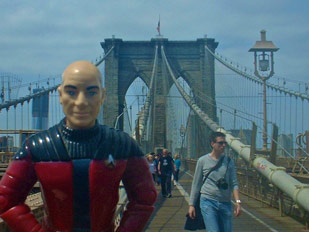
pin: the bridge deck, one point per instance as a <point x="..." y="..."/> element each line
<point x="170" y="213"/>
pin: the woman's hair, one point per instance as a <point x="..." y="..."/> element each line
<point x="149" y="155"/>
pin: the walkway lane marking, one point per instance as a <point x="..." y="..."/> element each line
<point x="187" y="198"/>
<point x="257" y="219"/>
<point x="183" y="192"/>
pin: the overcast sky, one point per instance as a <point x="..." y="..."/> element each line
<point x="43" y="37"/>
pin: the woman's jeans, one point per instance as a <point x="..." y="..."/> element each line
<point x="176" y="174"/>
<point x="217" y="215"/>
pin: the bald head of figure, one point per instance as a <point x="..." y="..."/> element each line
<point x="81" y="94"/>
<point x="82" y="69"/>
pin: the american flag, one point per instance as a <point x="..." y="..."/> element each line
<point x="158" y="27"/>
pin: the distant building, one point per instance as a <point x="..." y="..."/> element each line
<point x="285" y="144"/>
<point x="245" y="135"/>
<point x="40" y="107"/>
<point x="6" y="143"/>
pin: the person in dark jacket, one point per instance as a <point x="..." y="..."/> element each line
<point x="166" y="168"/>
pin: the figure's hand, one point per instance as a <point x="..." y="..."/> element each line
<point x="191" y="212"/>
<point x="159" y="172"/>
<point x="237" y="209"/>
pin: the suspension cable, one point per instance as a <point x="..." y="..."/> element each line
<point x="104" y="57"/>
<point x="21" y="100"/>
<point x="145" y="112"/>
<point x="210" y="101"/>
<point x="257" y="80"/>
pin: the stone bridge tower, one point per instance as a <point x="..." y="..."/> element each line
<point x="188" y="59"/>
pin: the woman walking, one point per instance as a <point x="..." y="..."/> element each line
<point x="177" y="163"/>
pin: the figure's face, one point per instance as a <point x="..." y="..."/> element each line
<point x="219" y="145"/>
<point x="164" y="152"/>
<point x="81" y="96"/>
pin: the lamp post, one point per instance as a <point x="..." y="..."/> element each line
<point x="182" y="131"/>
<point x="264" y="51"/>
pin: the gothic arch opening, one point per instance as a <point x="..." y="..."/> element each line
<point x="177" y="117"/>
<point x="134" y="99"/>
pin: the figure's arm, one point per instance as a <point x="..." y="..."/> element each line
<point x="21" y="219"/>
<point x="14" y="188"/>
<point x="141" y="193"/>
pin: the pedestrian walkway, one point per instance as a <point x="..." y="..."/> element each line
<point x="169" y="214"/>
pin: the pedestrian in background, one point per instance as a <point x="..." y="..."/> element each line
<point x="177" y="163"/>
<point x="166" y="169"/>
<point x="152" y="166"/>
<point x="156" y="161"/>
<point x="216" y="190"/>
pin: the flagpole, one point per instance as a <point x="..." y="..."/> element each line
<point x="158" y="27"/>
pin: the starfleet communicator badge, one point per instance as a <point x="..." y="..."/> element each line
<point x="110" y="162"/>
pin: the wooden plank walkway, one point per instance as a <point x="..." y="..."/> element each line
<point x="169" y="214"/>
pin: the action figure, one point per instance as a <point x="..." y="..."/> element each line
<point x="79" y="164"/>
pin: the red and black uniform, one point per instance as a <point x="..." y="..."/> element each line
<point x="79" y="172"/>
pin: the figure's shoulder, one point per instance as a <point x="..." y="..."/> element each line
<point x="118" y="143"/>
<point x="113" y="135"/>
<point x="46" y="145"/>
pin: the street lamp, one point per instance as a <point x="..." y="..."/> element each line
<point x="182" y="131"/>
<point x="264" y="69"/>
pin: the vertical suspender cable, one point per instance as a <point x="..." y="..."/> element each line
<point x="15" y="126"/>
<point x="52" y="112"/>
<point x="59" y="116"/>
<point x="22" y="117"/>
<point x="28" y="115"/>
<point x="296" y="118"/>
<point x="7" y="125"/>
<point x="290" y="115"/>
<point x="302" y="115"/>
